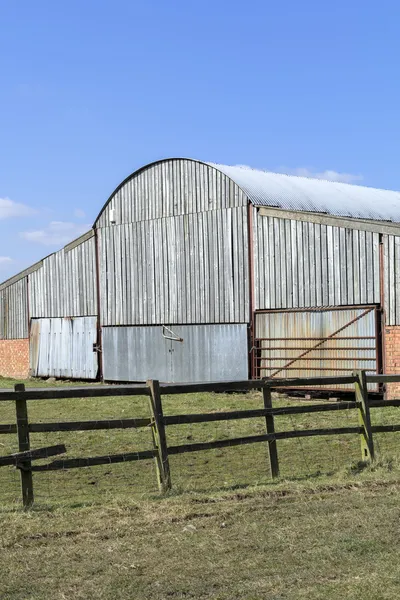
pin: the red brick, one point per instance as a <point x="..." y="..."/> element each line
<point x="14" y="358"/>
<point x="392" y="359"/>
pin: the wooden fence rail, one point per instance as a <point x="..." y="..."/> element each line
<point x="157" y="422"/>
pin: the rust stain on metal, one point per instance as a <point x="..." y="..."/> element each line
<point x="320" y="341"/>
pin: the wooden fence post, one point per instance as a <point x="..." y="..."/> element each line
<point x="364" y="417"/>
<point x="159" y="437"/>
<point x="21" y="410"/>
<point x="269" y="421"/>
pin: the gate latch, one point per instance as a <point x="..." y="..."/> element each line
<point x="172" y="336"/>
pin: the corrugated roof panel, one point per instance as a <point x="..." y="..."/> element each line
<point x="291" y="192"/>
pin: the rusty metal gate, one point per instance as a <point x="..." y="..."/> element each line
<point x="316" y="342"/>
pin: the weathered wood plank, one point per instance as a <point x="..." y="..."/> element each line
<point x="191" y="418"/>
<point x="383" y="403"/>
<point x="270" y="426"/>
<point x="256" y="412"/>
<point x="385" y="428"/>
<point x="364" y="418"/>
<point x="21" y="410"/>
<point x="223" y="386"/>
<point x="311" y="381"/>
<point x="19" y="458"/>
<point x="8" y="428"/>
<point x="96" y="391"/>
<point x="159" y="437"/>
<point x="89" y="425"/>
<point x="143" y="390"/>
<point x="281" y="435"/>
<point x="79" y="425"/>
<point x="74" y="463"/>
<point x="383" y="378"/>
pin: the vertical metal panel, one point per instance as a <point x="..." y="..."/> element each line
<point x="63" y="347"/>
<point x="314" y="343"/>
<point x="391" y="278"/>
<point x="207" y="353"/>
<point x="135" y="354"/>
<point x="65" y="285"/>
<point x="171" y="188"/>
<point x="14" y="311"/>
<point x="299" y="264"/>
<point x="186" y="269"/>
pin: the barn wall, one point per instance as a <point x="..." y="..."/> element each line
<point x="161" y="266"/>
<point x="14" y="311"/>
<point x="391" y="278"/>
<point x="170" y="188"/>
<point x="185" y="269"/>
<point x="65" y="285"/>
<point x="302" y="264"/>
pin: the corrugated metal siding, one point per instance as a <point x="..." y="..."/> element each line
<point x="64" y="347"/>
<point x="207" y="353"/>
<point x="184" y="269"/>
<point x="171" y="187"/>
<point x="291" y="192"/>
<point x="299" y="264"/>
<point x="292" y="342"/>
<point x="14" y="311"/>
<point x="391" y="279"/>
<point x="65" y="286"/>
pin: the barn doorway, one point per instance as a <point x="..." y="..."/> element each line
<point x="175" y="353"/>
<point x="316" y="342"/>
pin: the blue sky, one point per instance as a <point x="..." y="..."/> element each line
<point x="91" y="90"/>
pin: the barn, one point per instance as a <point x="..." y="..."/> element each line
<point x="196" y="271"/>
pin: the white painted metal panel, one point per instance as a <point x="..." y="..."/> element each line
<point x="63" y="347"/>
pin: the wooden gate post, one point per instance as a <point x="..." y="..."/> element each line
<point x="269" y="421"/>
<point x="159" y="437"/>
<point x="364" y="417"/>
<point x="21" y="410"/>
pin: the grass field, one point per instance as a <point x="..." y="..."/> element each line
<point x="326" y="529"/>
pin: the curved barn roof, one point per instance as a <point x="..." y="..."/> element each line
<point x="294" y="193"/>
<point x="291" y="192"/>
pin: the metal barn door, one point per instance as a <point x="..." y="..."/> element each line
<point x="315" y="343"/>
<point x="175" y="353"/>
<point x="64" y="347"/>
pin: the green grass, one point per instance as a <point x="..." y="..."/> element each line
<point x="328" y="528"/>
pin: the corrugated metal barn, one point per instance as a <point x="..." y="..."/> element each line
<point x="196" y="271"/>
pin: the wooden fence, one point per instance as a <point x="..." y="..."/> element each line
<point x="157" y="421"/>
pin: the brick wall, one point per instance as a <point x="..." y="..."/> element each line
<point x="14" y="358"/>
<point x="392" y="358"/>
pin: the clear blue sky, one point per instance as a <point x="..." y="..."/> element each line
<point x="91" y="90"/>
